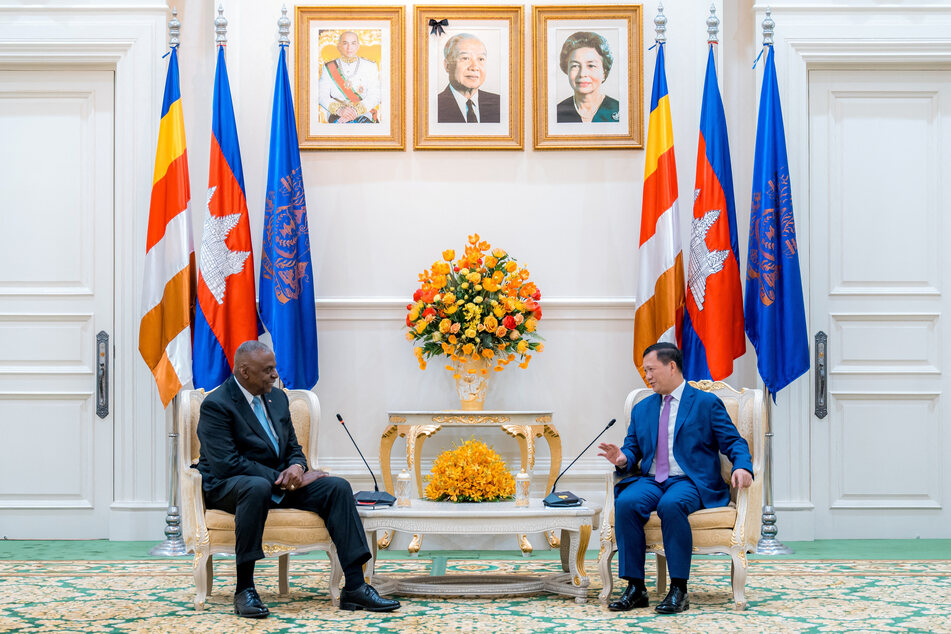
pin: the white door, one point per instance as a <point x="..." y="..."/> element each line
<point x="880" y="211"/>
<point x="56" y="294"/>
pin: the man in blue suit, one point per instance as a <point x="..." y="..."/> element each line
<point x="670" y="463"/>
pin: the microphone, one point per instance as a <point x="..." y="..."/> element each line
<point x="368" y="498"/>
<point x="567" y="498"/>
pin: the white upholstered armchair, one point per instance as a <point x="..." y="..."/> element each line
<point x="731" y="530"/>
<point x="208" y="532"/>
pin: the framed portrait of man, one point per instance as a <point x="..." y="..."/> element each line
<point x="349" y="72"/>
<point x="468" y="82"/>
<point x="587" y="71"/>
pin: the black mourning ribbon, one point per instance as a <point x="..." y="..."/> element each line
<point x="438" y="26"/>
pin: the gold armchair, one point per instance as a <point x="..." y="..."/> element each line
<point x="208" y="532"/>
<point x="732" y="530"/>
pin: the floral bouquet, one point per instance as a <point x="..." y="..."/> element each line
<point x="481" y="307"/>
<point x="472" y="472"/>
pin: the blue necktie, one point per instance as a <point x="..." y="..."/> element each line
<point x="258" y="408"/>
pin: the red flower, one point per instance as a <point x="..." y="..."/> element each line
<point x="537" y="296"/>
<point x="417" y="294"/>
<point x="409" y="322"/>
<point x="409" y="307"/>
<point x="538" y="313"/>
<point x="429" y="311"/>
<point x="456" y="269"/>
<point x="509" y="322"/>
<point x="530" y="305"/>
<point x="428" y="296"/>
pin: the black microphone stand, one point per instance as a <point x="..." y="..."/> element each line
<point x="368" y="498"/>
<point x="567" y="498"/>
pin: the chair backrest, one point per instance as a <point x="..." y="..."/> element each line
<point x="305" y="416"/>
<point x="747" y="410"/>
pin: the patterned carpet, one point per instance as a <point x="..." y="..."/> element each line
<point x="784" y="596"/>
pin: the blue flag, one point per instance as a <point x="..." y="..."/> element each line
<point x="287" y="280"/>
<point x="774" y="310"/>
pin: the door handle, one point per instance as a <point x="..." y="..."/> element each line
<point x="102" y="374"/>
<point x="821" y="345"/>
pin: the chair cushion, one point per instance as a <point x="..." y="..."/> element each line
<point x="286" y="526"/>
<point x="704" y="519"/>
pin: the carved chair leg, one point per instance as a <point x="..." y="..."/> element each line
<point x="336" y="574"/>
<point x="283" y="566"/>
<point x="604" y="567"/>
<point x="661" y="574"/>
<point x="201" y="579"/>
<point x="209" y="573"/>
<point x="738" y="578"/>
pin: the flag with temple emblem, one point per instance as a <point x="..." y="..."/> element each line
<point x="226" y="316"/>
<point x="168" y="285"/>
<point x="287" y="278"/>
<point x="775" y="312"/>
<point x="660" y="284"/>
<point x="713" y="323"/>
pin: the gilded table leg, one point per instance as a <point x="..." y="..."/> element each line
<point x="579" y="545"/>
<point x="415" y="544"/>
<point x="524" y="545"/>
<point x="554" y="448"/>
<point x="553" y="540"/>
<point x="384" y="541"/>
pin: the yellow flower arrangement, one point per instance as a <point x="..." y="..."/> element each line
<point x="481" y="306"/>
<point x="472" y="472"/>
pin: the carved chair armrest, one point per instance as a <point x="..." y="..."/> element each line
<point x="192" y="508"/>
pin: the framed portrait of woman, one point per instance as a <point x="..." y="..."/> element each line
<point x="468" y="82"/>
<point x="349" y="78"/>
<point x="588" y="77"/>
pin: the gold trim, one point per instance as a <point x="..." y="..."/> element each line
<point x="525" y="545"/>
<point x="583" y="538"/>
<point x="471" y="419"/>
<point x="270" y="550"/>
<point x="635" y="136"/>
<point x="543" y="419"/>
<point x="553" y="540"/>
<point x="397" y="419"/>
<point x="415" y="544"/>
<point x="395" y="16"/>
<point x="384" y="541"/>
<point x="512" y="17"/>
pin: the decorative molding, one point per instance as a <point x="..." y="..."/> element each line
<point x="394" y="308"/>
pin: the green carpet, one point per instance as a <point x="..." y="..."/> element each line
<point x="100" y="586"/>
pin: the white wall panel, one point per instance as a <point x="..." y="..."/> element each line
<point x="884" y="343"/>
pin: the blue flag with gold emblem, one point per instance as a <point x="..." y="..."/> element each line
<point x="774" y="310"/>
<point x="287" y="278"/>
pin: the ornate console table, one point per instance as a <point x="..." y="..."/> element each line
<point x="487" y="518"/>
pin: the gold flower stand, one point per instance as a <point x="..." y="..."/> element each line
<point x="416" y="427"/>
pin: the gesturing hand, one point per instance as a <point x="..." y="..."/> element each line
<point x="613" y="454"/>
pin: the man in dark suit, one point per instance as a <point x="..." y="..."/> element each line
<point x="462" y="101"/>
<point x="251" y="462"/>
<point x="670" y="460"/>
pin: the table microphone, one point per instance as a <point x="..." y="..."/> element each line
<point x="567" y="498"/>
<point x="368" y="498"/>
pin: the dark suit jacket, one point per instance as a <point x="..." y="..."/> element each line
<point x="608" y="111"/>
<point x="702" y="431"/>
<point x="233" y="443"/>
<point x="447" y="110"/>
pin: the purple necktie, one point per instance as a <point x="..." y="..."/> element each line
<point x="661" y="458"/>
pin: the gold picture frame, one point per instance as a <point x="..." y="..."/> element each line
<point x="491" y="38"/>
<point x="334" y="95"/>
<point x="573" y="46"/>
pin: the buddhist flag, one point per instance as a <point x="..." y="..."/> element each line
<point x="287" y="277"/>
<point x="168" y="286"/>
<point x="226" y="315"/>
<point x="660" y="284"/>
<point x="713" y="324"/>
<point x="775" y="312"/>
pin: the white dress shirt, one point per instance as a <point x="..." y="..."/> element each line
<point x="248" y="395"/>
<point x="677" y="394"/>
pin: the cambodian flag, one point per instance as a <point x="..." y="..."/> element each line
<point x="713" y="323"/>
<point x="287" y="279"/>
<point x="227" y="315"/>
<point x="775" y="313"/>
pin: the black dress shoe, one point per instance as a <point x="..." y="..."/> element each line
<point x="632" y="598"/>
<point x="675" y="601"/>
<point x="248" y="604"/>
<point x="366" y="598"/>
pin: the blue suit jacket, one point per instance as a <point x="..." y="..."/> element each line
<point x="702" y="431"/>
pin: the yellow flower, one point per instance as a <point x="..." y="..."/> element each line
<point x="449" y="255"/>
<point x="491" y="323"/>
<point x="501" y="331"/>
<point x="490" y="285"/>
<point x="474" y="277"/>
<point x="421" y="326"/>
<point x="499" y="253"/>
<point x="530" y="324"/>
<point x="452" y="339"/>
<point x="478" y="300"/>
<point x="473" y="239"/>
<point x="451" y="309"/>
<point x="471" y="472"/>
<point x="468" y="348"/>
<point x="439" y="281"/>
<point x="510" y="266"/>
<point x="490" y="262"/>
<point x="487" y="353"/>
<point x="448" y="298"/>
<point x="498" y="276"/>
<point x="444" y="326"/>
<point x="521" y="347"/>
<point x="470" y="333"/>
<point x="409" y="336"/>
<point x="540" y="348"/>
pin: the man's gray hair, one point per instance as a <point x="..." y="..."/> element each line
<point x="452" y="46"/>
<point x="248" y="348"/>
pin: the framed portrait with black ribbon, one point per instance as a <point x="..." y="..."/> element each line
<point x="468" y="81"/>
<point x="349" y="78"/>
<point x="587" y="70"/>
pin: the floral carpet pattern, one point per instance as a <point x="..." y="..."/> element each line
<point x="784" y="596"/>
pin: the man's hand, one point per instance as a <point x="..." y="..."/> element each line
<point x="346" y="114"/>
<point x="312" y="475"/>
<point x="741" y="479"/>
<point x="613" y="454"/>
<point x="291" y="478"/>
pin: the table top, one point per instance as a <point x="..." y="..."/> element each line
<point x="427" y="509"/>
<point x="472" y="413"/>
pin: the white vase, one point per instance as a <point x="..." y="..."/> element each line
<point x="472" y="382"/>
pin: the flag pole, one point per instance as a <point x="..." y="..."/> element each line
<point x="768" y="544"/>
<point x="173" y="545"/>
